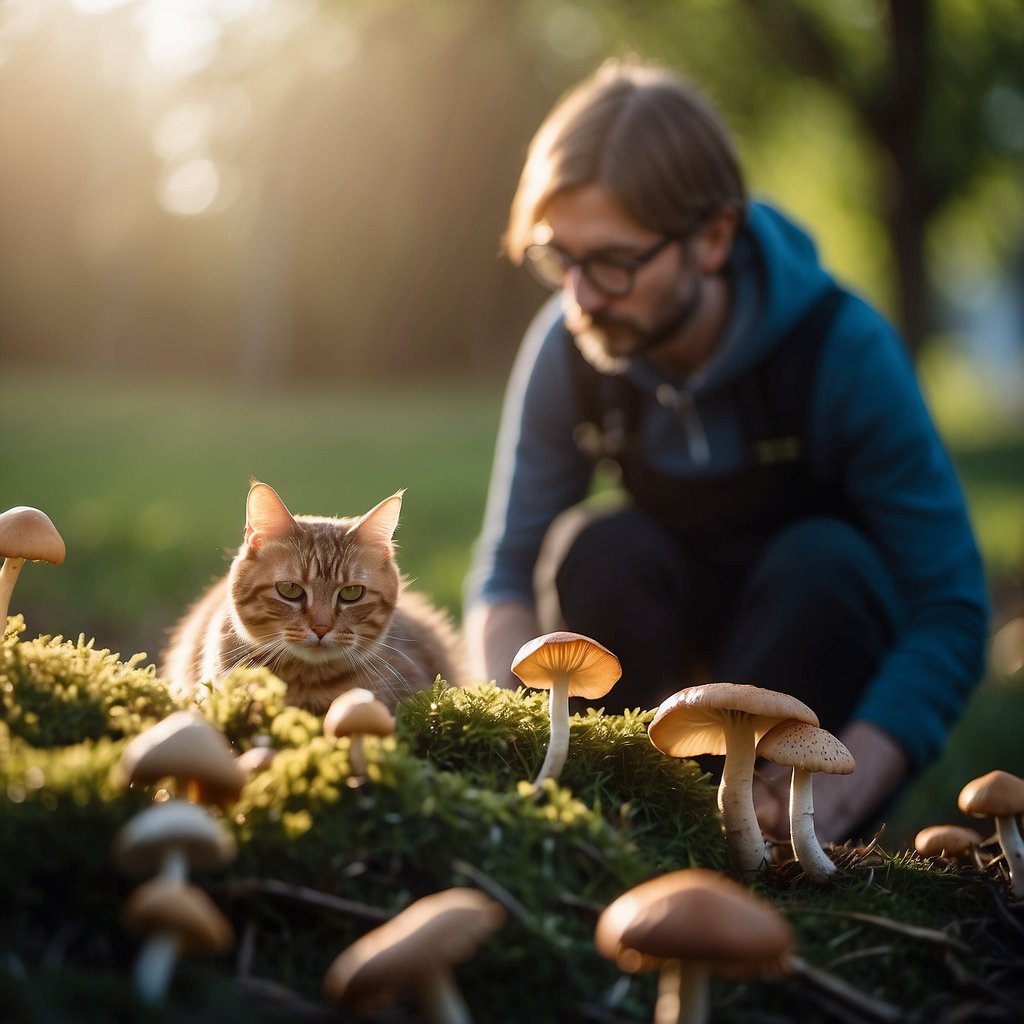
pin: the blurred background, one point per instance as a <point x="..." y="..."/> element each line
<point x="259" y="238"/>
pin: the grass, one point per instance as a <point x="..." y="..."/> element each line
<point x="147" y="479"/>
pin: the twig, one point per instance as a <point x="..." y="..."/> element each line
<point x="498" y="892"/>
<point x="911" y="931"/>
<point x="869" y="1006"/>
<point x="302" y="894"/>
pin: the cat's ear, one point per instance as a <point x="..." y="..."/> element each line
<point x="379" y="524"/>
<point x="266" y="516"/>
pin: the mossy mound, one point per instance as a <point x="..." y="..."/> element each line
<point x="324" y="857"/>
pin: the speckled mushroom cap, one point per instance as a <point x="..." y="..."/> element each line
<point x="694" y="915"/>
<point x="592" y="669"/>
<point x="358" y="711"/>
<point x="28" y="533"/>
<point x="185" y="746"/>
<point x="429" y="936"/>
<point x="141" y="844"/>
<point x="995" y="795"/>
<point x="160" y="906"/>
<point x="691" y="721"/>
<point x="948" y="840"/>
<point x="799" y="745"/>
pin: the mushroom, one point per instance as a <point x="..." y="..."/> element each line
<point x="689" y="925"/>
<point x="569" y="665"/>
<point x="179" y="920"/>
<point x="727" y="718"/>
<point x="357" y="713"/>
<point x="173" y="837"/>
<point x="187" y="747"/>
<point x="953" y="842"/>
<point x="256" y="759"/>
<point x="806" y="749"/>
<point x="415" y="951"/>
<point x="26" y="534"/>
<point x="1000" y="795"/>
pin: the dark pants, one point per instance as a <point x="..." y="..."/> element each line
<point x="812" y="615"/>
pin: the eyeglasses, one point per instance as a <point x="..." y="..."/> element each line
<point x="612" y="275"/>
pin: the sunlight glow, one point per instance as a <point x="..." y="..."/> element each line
<point x="189" y="188"/>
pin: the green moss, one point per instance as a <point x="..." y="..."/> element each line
<point x="447" y="801"/>
<point x="54" y="692"/>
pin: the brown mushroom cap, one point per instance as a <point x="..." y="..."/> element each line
<point x="946" y="840"/>
<point x="799" y="745"/>
<point x="28" y="533"/>
<point x="160" y="906"/>
<point x="427" y="937"/>
<point x="690" y="722"/>
<point x="185" y="746"/>
<point x="358" y="712"/>
<point x="694" y="915"/>
<point x="142" y="843"/>
<point x="592" y="669"/>
<point x="995" y="795"/>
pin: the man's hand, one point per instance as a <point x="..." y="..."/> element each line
<point x="494" y="633"/>
<point x="841" y="802"/>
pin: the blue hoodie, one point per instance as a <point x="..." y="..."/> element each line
<point x="866" y="417"/>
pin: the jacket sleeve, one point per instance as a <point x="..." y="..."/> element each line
<point x="870" y="425"/>
<point x="537" y="471"/>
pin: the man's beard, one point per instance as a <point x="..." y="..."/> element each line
<point x="608" y="343"/>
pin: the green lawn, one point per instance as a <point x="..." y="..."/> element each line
<point x="147" y="481"/>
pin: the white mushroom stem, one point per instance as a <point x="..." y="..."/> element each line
<point x="682" y="994"/>
<point x="441" y="1001"/>
<point x="1012" y="842"/>
<point x="174" y="865"/>
<point x="810" y="856"/>
<point x="558" y="742"/>
<point x="743" y="840"/>
<point x="357" y="756"/>
<point x="154" y="966"/>
<point x="8" y="577"/>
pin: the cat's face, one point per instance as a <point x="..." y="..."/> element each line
<point x="313" y="588"/>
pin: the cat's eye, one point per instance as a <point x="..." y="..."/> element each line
<point x="289" y="590"/>
<point x="351" y="593"/>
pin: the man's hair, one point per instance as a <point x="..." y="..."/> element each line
<point x="648" y="136"/>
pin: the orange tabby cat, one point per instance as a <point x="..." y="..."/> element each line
<point x="320" y="602"/>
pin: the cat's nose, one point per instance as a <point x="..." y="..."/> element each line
<point x="321" y="631"/>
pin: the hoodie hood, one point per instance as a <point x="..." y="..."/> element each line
<point x="775" y="276"/>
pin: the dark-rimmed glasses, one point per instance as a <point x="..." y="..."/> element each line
<point x="612" y="275"/>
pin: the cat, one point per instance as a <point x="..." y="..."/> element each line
<point x="321" y="603"/>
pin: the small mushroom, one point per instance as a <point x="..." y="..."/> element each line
<point x="689" y="925"/>
<point x="357" y="713"/>
<point x="730" y="719"/>
<point x="953" y="842"/>
<point x="177" y="919"/>
<point x="256" y="759"/>
<point x="188" y="748"/>
<point x="806" y="749"/>
<point x="569" y="665"/>
<point x="26" y="535"/>
<point x="173" y="837"/>
<point x="415" y="952"/>
<point x="1000" y="795"/>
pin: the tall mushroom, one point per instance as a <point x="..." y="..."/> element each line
<point x="415" y="952"/>
<point x="806" y="749"/>
<point x="569" y="665"/>
<point x="357" y="713"/>
<point x="727" y="718"/>
<point x="177" y="919"/>
<point x="26" y="535"/>
<point x="689" y="925"/>
<point x="187" y="747"/>
<point x="1000" y="795"/>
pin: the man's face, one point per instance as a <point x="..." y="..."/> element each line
<point x="609" y="329"/>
